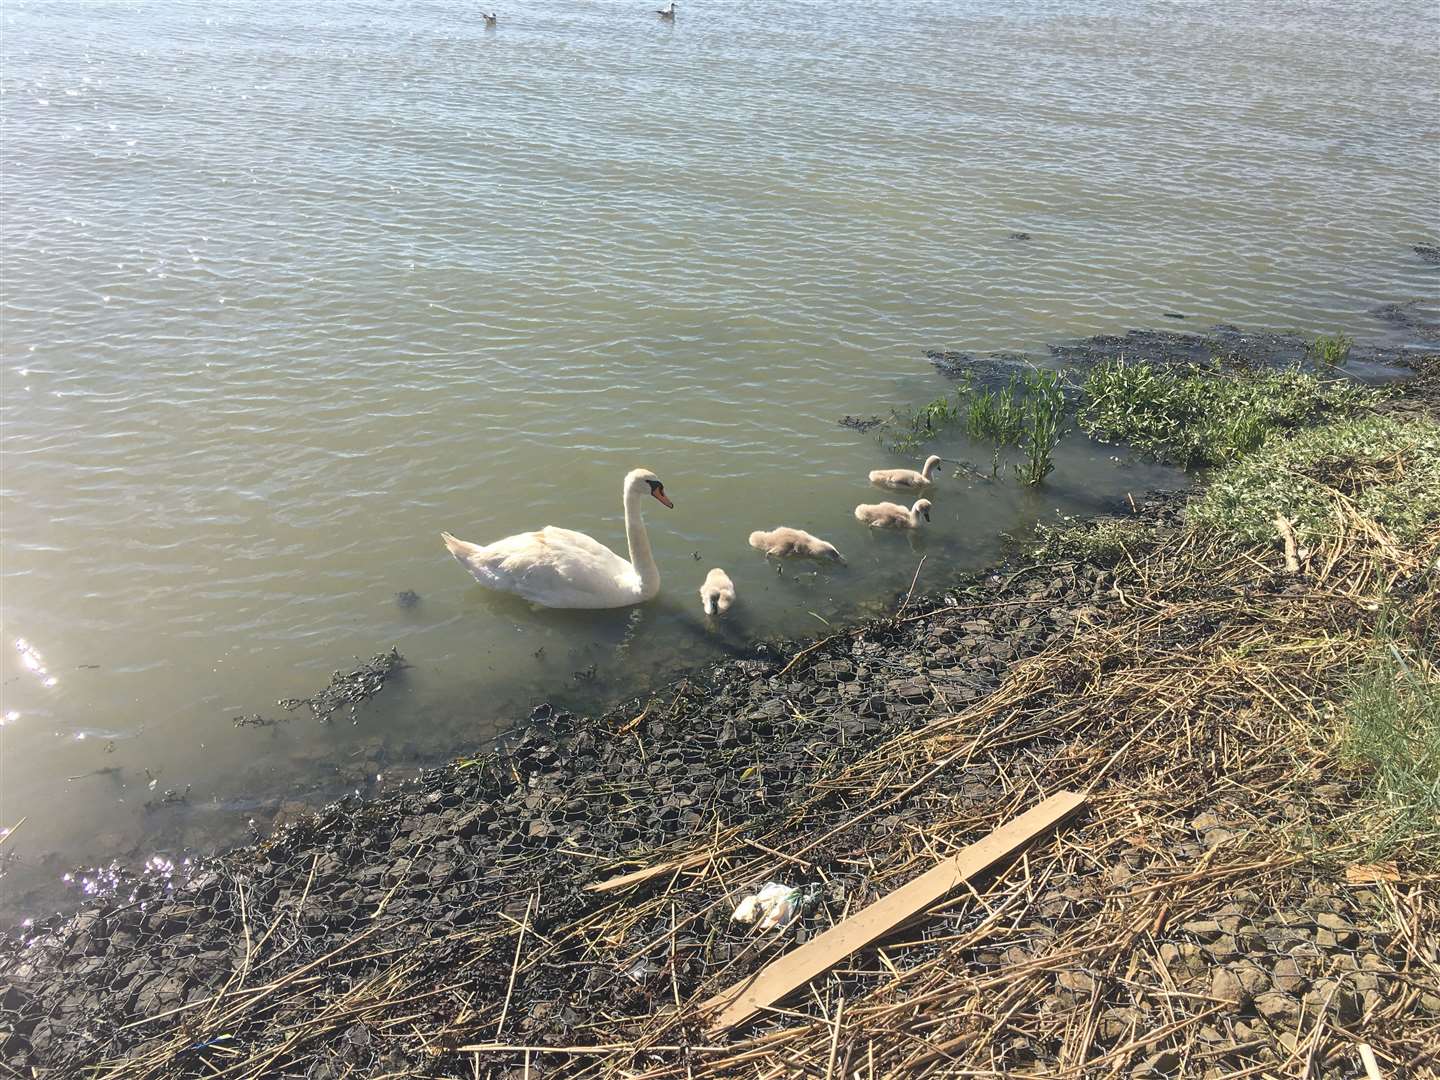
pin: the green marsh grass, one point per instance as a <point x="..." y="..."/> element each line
<point x="1331" y="349"/>
<point x="1385" y="469"/>
<point x="1388" y="738"/>
<point x="1194" y="418"/>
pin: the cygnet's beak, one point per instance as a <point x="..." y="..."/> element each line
<point x="659" y="493"/>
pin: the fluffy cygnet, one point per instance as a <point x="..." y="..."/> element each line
<point x="787" y="543"/>
<point x="888" y="515"/>
<point x="718" y="592"/>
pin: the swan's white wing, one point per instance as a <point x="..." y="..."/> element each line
<point x="556" y="568"/>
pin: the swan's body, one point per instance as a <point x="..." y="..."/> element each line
<point x="888" y="515"/>
<point x="718" y="592"/>
<point x="667" y="12"/>
<point x="560" y="568"/>
<point x="907" y="479"/>
<point x="786" y="543"/>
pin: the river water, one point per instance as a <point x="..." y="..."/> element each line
<point x="289" y="288"/>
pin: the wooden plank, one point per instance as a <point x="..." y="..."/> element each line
<point x="738" y="1003"/>
<point x="635" y="877"/>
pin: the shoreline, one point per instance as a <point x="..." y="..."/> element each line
<point x="458" y="906"/>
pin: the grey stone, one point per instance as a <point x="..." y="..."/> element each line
<point x="1278" y="1009"/>
<point x="1286" y="975"/>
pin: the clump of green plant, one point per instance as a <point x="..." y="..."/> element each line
<point x="1331" y="349"/>
<point x="1193" y="418"/>
<point x="995" y="416"/>
<point x="1379" y="468"/>
<point x="1043" y="410"/>
<point x="1105" y="542"/>
<point x="1015" y="415"/>
<point x="1389" y="731"/>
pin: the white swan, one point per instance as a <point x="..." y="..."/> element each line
<point x="489" y="20"/>
<point x="888" y="515"/>
<point x="558" y="568"/>
<point x="667" y="12"/>
<point x="906" y="479"/>
<point x="786" y="543"/>
<point x="718" y="592"/>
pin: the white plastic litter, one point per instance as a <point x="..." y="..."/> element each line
<point x="774" y="905"/>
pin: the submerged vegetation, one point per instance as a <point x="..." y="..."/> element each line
<point x="1026" y="413"/>
<point x="1192" y="417"/>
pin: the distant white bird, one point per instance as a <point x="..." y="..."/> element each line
<point x="787" y="543"/>
<point x="906" y="479"/>
<point x="888" y="515"/>
<point x="718" y="592"/>
<point x="558" y="568"/>
<point x="489" y="20"/>
<point x="666" y="12"/>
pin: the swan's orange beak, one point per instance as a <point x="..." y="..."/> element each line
<point x="659" y="493"/>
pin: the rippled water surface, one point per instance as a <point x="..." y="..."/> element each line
<point x="288" y="288"/>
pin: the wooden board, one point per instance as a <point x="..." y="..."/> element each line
<point x="738" y="1003"/>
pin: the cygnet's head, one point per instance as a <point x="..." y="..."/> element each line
<point x="921" y="507"/>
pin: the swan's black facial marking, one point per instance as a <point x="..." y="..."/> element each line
<point x="657" y="489"/>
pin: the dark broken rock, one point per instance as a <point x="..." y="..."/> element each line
<point x="1252" y="977"/>
<point x="1339" y="929"/>
<point x="1017" y="235"/>
<point x="1163" y="1063"/>
<point x="407" y="598"/>
<point x="1074" y="986"/>
<point x="1184" y="961"/>
<point x="1238" y="984"/>
<point x="1225" y="986"/>
<point x="1204" y="929"/>
<point x="1223" y="948"/>
<point x="1287" y="976"/>
<point x="1116" y="1024"/>
<point x="1429" y="252"/>
<point x="1280" y="1010"/>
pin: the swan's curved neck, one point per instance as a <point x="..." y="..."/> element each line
<point x="639" y="543"/>
<point x="930" y="466"/>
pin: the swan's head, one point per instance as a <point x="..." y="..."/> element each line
<point x="921" y="508"/>
<point x="643" y="480"/>
<point x="930" y="463"/>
